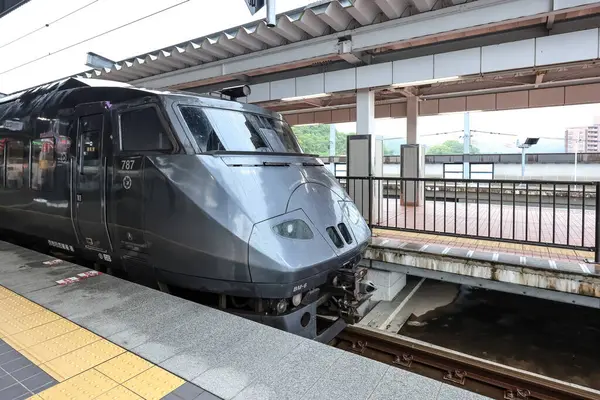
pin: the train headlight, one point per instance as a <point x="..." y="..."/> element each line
<point x="281" y="306"/>
<point x="297" y="299"/>
<point x="294" y="229"/>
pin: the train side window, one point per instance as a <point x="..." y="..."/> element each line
<point x="43" y="164"/>
<point x="142" y="130"/>
<point x="17" y="164"/>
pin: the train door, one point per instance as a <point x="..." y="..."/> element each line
<point x="90" y="178"/>
<point x="127" y="189"/>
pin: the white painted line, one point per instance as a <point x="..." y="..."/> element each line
<point x="523" y="260"/>
<point x="401" y="305"/>
<point x="79" y="277"/>
<point x="552" y="264"/>
<point x="446" y="250"/>
<point x="383" y="242"/>
<point x="585" y="268"/>
<point x="402" y="245"/>
<point x="470" y="253"/>
<point x="56" y="261"/>
<point x="424" y="247"/>
<point x="495" y="256"/>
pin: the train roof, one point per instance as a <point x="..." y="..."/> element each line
<point x="69" y="92"/>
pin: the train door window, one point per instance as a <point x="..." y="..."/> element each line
<point x="142" y="130"/>
<point x="42" y="164"/>
<point x="2" y="161"/>
<point x="17" y="163"/>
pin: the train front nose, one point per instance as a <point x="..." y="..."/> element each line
<point x="318" y="232"/>
<point x="337" y="220"/>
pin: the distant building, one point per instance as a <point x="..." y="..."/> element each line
<point x="583" y="139"/>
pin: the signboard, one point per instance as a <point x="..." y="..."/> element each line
<point x="255" y="5"/>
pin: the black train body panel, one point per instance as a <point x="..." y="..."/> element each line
<point x="205" y="194"/>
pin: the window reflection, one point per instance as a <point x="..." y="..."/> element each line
<point x="221" y="129"/>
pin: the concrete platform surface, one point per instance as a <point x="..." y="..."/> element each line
<point x="570" y="281"/>
<point x="527" y="250"/>
<point x="70" y="333"/>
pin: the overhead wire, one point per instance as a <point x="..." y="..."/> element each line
<point x="48" y="24"/>
<point x="94" y="37"/>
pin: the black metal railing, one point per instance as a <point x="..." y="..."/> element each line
<point x="555" y="213"/>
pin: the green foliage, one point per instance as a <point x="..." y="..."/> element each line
<point x="391" y="147"/>
<point x="450" y="147"/>
<point x="314" y="139"/>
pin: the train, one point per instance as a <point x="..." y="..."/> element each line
<point x="203" y="194"/>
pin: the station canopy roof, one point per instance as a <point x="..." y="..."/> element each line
<point x="321" y="18"/>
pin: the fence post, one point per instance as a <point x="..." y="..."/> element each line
<point x="371" y="204"/>
<point x="597" y="230"/>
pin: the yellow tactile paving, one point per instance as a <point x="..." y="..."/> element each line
<point x="4" y="293"/>
<point x="84" y="358"/>
<point x="12" y="307"/>
<point x="124" y="367"/>
<point x="154" y="383"/>
<point x="119" y="393"/>
<point x="87" y="385"/>
<point x="43" y="333"/>
<point x="17" y="325"/>
<point x="54" y="348"/>
<point x="51" y="372"/>
<point x="85" y="365"/>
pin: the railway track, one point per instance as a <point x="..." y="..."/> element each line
<point x="481" y="376"/>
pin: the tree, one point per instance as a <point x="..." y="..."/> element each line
<point x="391" y="147"/>
<point x="314" y="139"/>
<point x="450" y="147"/>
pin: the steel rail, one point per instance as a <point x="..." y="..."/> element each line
<point x="458" y="369"/>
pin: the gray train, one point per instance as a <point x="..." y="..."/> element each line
<point x="209" y="195"/>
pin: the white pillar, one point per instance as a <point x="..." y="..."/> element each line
<point x="388" y="284"/>
<point x="365" y="112"/>
<point x="361" y="150"/>
<point x="412" y="114"/>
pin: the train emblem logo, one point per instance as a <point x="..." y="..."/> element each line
<point x="127" y="182"/>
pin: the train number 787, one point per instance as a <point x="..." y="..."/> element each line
<point x="127" y="164"/>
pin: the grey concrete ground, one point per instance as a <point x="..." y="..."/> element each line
<point x="229" y="356"/>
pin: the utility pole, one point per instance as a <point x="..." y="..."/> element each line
<point x="467" y="147"/>
<point x="524" y="146"/>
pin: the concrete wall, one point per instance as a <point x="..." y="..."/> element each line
<point x="557" y="172"/>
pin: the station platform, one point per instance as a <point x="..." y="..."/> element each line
<point x="491" y="246"/>
<point x="72" y="333"/>
<point x="538" y="271"/>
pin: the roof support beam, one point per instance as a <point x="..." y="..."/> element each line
<point x="392" y="8"/>
<point x="539" y="78"/>
<point x="423" y="5"/>
<point x="352" y="57"/>
<point x="550" y="22"/>
<point x="435" y="24"/>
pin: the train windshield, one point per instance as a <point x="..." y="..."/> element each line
<point x="230" y="130"/>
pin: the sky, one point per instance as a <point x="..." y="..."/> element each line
<point x="25" y="38"/>
<point x="548" y="123"/>
<point x="46" y="40"/>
